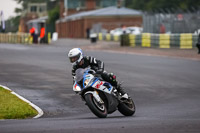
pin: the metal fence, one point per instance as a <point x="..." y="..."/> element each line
<point x="171" y="23"/>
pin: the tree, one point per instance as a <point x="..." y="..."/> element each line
<point x="24" y="3"/>
<point x="53" y="14"/>
<point x="12" y="24"/>
<point x="163" y="5"/>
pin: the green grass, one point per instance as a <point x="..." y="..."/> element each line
<point x="11" y="107"/>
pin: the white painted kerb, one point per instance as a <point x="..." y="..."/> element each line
<point x="40" y="112"/>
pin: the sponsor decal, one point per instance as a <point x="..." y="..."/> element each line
<point x="98" y="85"/>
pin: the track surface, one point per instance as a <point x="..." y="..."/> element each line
<point x="166" y="91"/>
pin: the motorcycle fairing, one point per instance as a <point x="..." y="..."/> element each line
<point x="90" y="81"/>
<point x="76" y="87"/>
<point x="103" y="86"/>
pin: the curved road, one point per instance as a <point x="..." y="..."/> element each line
<point x="166" y="91"/>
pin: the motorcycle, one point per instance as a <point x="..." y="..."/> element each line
<point x="100" y="96"/>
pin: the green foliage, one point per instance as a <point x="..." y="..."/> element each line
<point x="25" y="2"/>
<point x="163" y="5"/>
<point x="11" y="107"/>
<point x="18" y="10"/>
<point x="12" y="24"/>
<point x="53" y="14"/>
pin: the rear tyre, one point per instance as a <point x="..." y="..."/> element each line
<point x="99" y="110"/>
<point x="127" y="108"/>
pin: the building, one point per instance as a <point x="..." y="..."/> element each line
<point x="69" y="7"/>
<point x="108" y="18"/>
<point x="37" y="23"/>
<point x="33" y="11"/>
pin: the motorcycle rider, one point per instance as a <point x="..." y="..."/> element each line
<point x="79" y="61"/>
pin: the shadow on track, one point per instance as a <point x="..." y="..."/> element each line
<point x="109" y="117"/>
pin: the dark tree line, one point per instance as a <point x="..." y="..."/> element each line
<point x="164" y="5"/>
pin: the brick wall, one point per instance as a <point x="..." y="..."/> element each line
<point x="90" y="4"/>
<point x="62" y="8"/>
<point x="77" y="28"/>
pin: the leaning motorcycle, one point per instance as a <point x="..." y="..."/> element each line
<point x="100" y="96"/>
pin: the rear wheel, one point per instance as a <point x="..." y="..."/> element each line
<point x="98" y="109"/>
<point x="127" y="107"/>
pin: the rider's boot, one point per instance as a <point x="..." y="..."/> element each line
<point x="118" y="86"/>
<point x="121" y="90"/>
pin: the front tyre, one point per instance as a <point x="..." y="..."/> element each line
<point x="127" y="107"/>
<point x="99" y="110"/>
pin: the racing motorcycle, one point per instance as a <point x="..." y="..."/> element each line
<point x="100" y="96"/>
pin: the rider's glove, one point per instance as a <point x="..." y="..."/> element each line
<point x="99" y="71"/>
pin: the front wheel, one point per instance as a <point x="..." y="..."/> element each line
<point x="98" y="109"/>
<point x="127" y="107"/>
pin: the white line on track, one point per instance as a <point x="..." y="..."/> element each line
<point x="39" y="110"/>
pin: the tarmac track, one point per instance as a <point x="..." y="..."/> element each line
<point x="166" y="91"/>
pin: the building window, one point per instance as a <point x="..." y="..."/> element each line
<point x="42" y="9"/>
<point x="105" y="3"/>
<point x="33" y="8"/>
<point x="74" y="4"/>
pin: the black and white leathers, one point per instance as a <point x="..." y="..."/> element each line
<point x="95" y="64"/>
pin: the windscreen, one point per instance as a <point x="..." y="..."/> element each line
<point x="79" y="74"/>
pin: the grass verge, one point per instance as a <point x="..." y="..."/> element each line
<point x="11" y="107"/>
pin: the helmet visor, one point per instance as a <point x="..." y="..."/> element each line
<point x="74" y="58"/>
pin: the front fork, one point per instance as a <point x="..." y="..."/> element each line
<point x="96" y="96"/>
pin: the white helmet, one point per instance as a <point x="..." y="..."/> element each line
<point x="75" y="56"/>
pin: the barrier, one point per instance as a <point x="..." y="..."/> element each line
<point x="100" y="36"/>
<point x="22" y="38"/>
<point x="175" y="40"/>
<point x="116" y="38"/>
<point x="146" y="40"/>
<point x="49" y="37"/>
<point x="164" y="41"/>
<point x="183" y="41"/>
<point x="132" y="40"/>
<point x="125" y="41"/>
<point x="186" y="41"/>
<point x="108" y="37"/>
